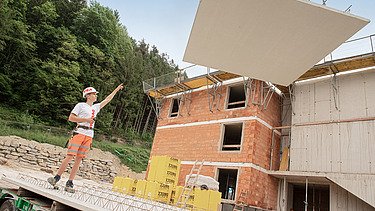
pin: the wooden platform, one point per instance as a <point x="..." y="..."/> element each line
<point x="327" y="68"/>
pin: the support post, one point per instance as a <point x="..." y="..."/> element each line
<point x="272" y="146"/>
<point x="284" y="195"/>
<point x="307" y="186"/>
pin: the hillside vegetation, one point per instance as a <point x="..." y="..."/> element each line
<point x="51" y="49"/>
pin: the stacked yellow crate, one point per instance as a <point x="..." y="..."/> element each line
<point x="215" y="200"/>
<point x="158" y="192"/>
<point x="164" y="192"/>
<point x="151" y="190"/>
<point x="162" y="176"/>
<point x="199" y="199"/>
<point x="117" y="184"/>
<point x="140" y="188"/>
<point x="176" y="192"/>
<point x="124" y="185"/>
<point x="164" y="169"/>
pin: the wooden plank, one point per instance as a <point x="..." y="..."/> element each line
<point x="284" y="159"/>
<point x="198" y="83"/>
<point x="226" y="76"/>
<point x="343" y="65"/>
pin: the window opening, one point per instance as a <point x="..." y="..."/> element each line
<point x="237" y="98"/>
<point x="227" y="183"/>
<point x="175" y="108"/>
<point x="232" y="137"/>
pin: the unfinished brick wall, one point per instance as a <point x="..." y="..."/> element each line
<point x="198" y="142"/>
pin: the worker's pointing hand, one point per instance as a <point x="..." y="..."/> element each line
<point x="119" y="87"/>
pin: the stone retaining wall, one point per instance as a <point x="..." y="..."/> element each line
<point x="45" y="156"/>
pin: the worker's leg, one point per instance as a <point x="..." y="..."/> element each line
<point x="73" y="147"/>
<point x="77" y="162"/>
<point x="64" y="164"/>
<point x="81" y="153"/>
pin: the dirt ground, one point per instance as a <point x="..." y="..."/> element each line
<point x="9" y="168"/>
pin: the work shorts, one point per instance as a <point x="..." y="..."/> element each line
<point x="79" y="145"/>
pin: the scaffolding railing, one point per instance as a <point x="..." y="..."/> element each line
<point x="177" y="77"/>
<point x="351" y="48"/>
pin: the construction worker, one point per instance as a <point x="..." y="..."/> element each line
<point x="84" y="115"/>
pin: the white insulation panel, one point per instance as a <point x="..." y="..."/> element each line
<point x="269" y="40"/>
<point x="342" y="200"/>
<point x="344" y="97"/>
<point x="361" y="186"/>
<point x="340" y="148"/>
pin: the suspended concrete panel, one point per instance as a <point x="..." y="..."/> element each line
<point x="269" y="40"/>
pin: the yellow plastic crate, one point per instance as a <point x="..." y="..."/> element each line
<point x="151" y="191"/>
<point x="140" y="188"/>
<point x="128" y="186"/>
<point x="176" y="194"/>
<point x="164" y="169"/>
<point x="123" y="185"/>
<point x="164" y="192"/>
<point x="215" y="200"/>
<point x="117" y="184"/>
<point x="201" y="199"/>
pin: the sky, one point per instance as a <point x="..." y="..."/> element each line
<point x="167" y="23"/>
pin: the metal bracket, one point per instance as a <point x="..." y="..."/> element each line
<point x="335" y="90"/>
<point x="213" y="93"/>
<point x="156" y="104"/>
<point x="292" y="97"/>
<point x="186" y="100"/>
<point x="266" y="98"/>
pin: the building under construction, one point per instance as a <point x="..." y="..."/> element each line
<point x="304" y="145"/>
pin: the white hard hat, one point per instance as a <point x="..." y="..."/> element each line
<point x="88" y="90"/>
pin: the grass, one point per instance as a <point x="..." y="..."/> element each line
<point x="12" y="122"/>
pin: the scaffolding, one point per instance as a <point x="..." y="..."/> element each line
<point x="353" y="54"/>
<point x="179" y="84"/>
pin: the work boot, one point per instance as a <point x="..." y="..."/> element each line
<point x="69" y="186"/>
<point x="53" y="180"/>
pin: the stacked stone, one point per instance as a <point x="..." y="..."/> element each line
<point x="35" y="155"/>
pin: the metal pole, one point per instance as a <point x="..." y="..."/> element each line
<point x="284" y="196"/>
<point x="372" y="45"/>
<point x="272" y="146"/>
<point x="307" y="185"/>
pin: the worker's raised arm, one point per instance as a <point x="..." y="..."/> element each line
<point x="110" y="97"/>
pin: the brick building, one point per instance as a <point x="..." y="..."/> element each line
<point x="234" y="140"/>
<point x="312" y="142"/>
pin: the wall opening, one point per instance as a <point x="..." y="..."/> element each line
<point x="175" y="107"/>
<point x="232" y="137"/>
<point x="317" y="197"/>
<point x="237" y="97"/>
<point x="227" y="183"/>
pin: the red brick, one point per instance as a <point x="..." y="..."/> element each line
<point x="203" y="142"/>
